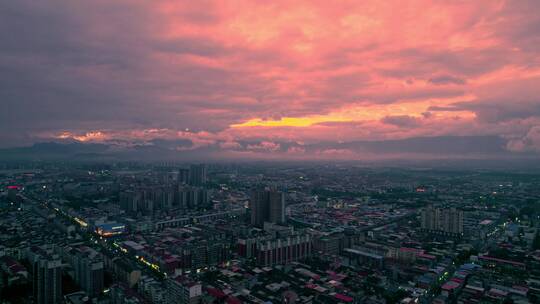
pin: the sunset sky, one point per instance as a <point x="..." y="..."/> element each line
<point x="252" y="78"/>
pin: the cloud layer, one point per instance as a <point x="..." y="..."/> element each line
<point x="251" y="76"/>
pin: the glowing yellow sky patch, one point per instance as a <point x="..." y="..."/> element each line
<point x="290" y="121"/>
<point x="359" y="114"/>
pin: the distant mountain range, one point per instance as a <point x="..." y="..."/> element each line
<point x="443" y="145"/>
<point x="460" y="147"/>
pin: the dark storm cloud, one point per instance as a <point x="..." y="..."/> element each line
<point x="500" y="111"/>
<point x="79" y="66"/>
<point x="403" y="121"/>
<point x="447" y="79"/>
<point x="47" y="59"/>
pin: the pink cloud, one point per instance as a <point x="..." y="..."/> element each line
<point x="530" y="142"/>
<point x="284" y="71"/>
<point x="264" y="146"/>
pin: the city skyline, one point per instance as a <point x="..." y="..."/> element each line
<point x="169" y="233"/>
<point x="250" y="80"/>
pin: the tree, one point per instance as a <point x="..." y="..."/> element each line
<point x="536" y="241"/>
<point x="394" y="297"/>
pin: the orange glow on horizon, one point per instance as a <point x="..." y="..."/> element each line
<point x="88" y="136"/>
<point x="359" y="114"/>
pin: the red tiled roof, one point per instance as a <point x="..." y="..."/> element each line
<point x="216" y="293"/>
<point x="488" y="258"/>
<point x="233" y="300"/>
<point x="343" y="297"/>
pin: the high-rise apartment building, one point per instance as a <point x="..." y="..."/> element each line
<point x="89" y="272"/>
<point x="267" y="206"/>
<point x="13" y="191"/>
<point x="191" y="198"/>
<point x="447" y="220"/>
<point x="452" y="221"/>
<point x="271" y="251"/>
<point x="149" y="199"/>
<point x="183" y="176"/>
<point x="46" y="275"/>
<point x="277" y="207"/>
<point x="182" y="290"/>
<point x="197" y="175"/>
<point x="430" y="218"/>
<point x="131" y="201"/>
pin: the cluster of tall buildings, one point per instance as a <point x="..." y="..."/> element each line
<point x="196" y="175"/>
<point x="182" y="189"/>
<point x="88" y="270"/>
<point x="446" y="220"/>
<point x="46" y="275"/>
<point x="150" y="199"/>
<point x="48" y="262"/>
<point x="277" y="245"/>
<point x="146" y="200"/>
<point x="274" y="251"/>
<point x="267" y="205"/>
